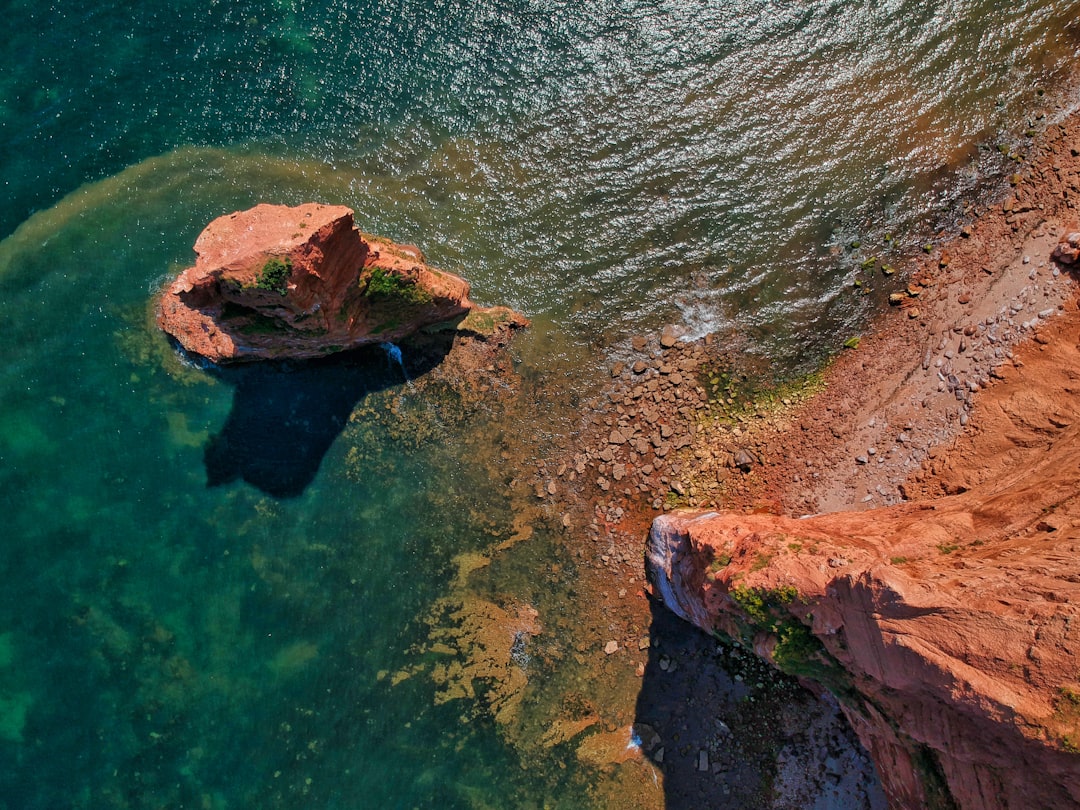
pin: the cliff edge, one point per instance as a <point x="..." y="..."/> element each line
<point x="301" y="282"/>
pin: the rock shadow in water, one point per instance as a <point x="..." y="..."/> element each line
<point x="286" y="415"/>
<point x="761" y="742"/>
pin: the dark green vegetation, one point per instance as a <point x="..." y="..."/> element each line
<point x="387" y="288"/>
<point x="262" y="325"/>
<point x="763" y="607"/>
<point x="798" y="652"/>
<point x="719" y="562"/>
<point x="928" y="767"/>
<point x="274" y="275"/>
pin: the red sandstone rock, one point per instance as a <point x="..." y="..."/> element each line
<point x="335" y="288"/>
<point x="1068" y="250"/>
<point x="964" y="666"/>
<point x="949" y="626"/>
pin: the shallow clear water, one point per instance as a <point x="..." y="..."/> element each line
<point x="605" y="167"/>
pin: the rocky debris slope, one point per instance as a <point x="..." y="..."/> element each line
<point x="301" y="282"/>
<point x="896" y="403"/>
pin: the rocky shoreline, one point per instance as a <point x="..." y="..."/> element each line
<point x="688" y="424"/>
<point x="885" y="424"/>
<point x="683" y="424"/>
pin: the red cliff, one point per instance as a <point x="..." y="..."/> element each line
<point x="300" y="282"/>
<point x="948" y="628"/>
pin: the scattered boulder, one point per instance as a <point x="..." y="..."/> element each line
<point x="743" y="459"/>
<point x="1068" y="249"/>
<point x="669" y="336"/>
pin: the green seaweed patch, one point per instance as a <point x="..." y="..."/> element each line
<point x="734" y="396"/>
<point x="274" y="275"/>
<point x="482" y="323"/>
<point x="485" y="322"/>
<point x="673" y="500"/>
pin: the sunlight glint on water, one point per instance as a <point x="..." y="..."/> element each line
<point x="605" y="167"/>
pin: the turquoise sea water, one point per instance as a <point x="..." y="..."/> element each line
<point x="171" y="637"/>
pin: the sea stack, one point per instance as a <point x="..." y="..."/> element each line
<point x="280" y="282"/>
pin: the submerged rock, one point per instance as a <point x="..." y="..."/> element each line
<point x="302" y="282"/>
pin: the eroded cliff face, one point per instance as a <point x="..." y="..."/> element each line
<point x="300" y="282"/>
<point x="949" y="627"/>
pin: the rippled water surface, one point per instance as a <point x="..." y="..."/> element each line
<point x="606" y="167"/>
